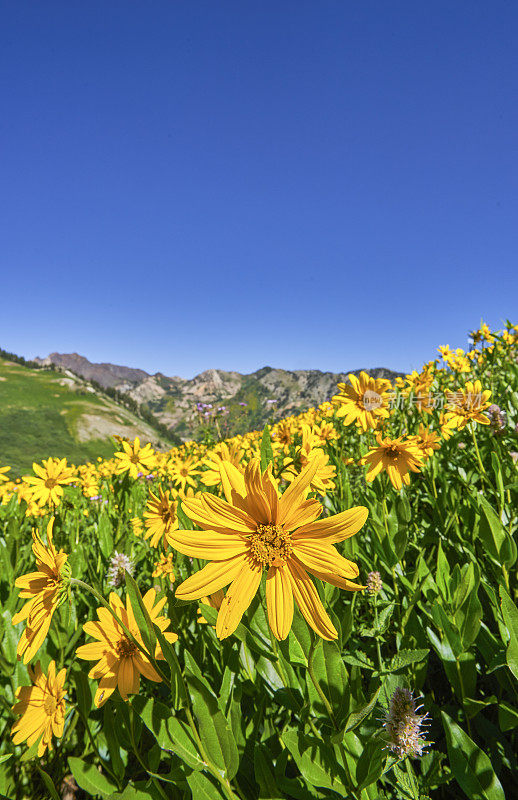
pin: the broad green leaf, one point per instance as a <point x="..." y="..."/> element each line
<point x="356" y="717"/>
<point x="370" y="764"/>
<point x="268" y="789"/>
<point x="384" y="617"/>
<point x="105" y="534"/>
<point x="49" y="783"/>
<point x="215" y="732"/>
<point x="507" y="716"/>
<point x="204" y="788"/>
<point x="296" y="647"/>
<point x="141" y="614"/>
<point x="510" y="615"/>
<point x="491" y="530"/>
<point x="405" y="657"/>
<point x="327" y="667"/>
<point x="110" y="734"/>
<point x="316" y="761"/>
<point x="90" y="779"/>
<point x="170" y="732"/>
<point x="242" y="633"/>
<point x="471" y="767"/>
<point x="83" y="692"/>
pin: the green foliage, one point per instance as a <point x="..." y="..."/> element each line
<point x="251" y="718"/>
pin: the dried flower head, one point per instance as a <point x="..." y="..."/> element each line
<point x="374" y="583"/>
<point x="403" y="725"/>
<point x="119" y="563"/>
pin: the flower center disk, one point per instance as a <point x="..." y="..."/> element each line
<point x="270" y="545"/>
<point x="125" y="648"/>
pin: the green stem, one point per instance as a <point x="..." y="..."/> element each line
<point x="378" y="648"/>
<point x="477" y="451"/>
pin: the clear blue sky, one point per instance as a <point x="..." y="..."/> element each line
<point x="189" y="184"/>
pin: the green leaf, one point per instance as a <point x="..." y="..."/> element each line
<point x="268" y="789"/>
<point x="105" y="535"/>
<point x="316" y="761"/>
<point x="110" y="734"/>
<point x="83" y="692"/>
<point x="178" y="692"/>
<point x="203" y="787"/>
<point x="384" y="617"/>
<point x="49" y="783"/>
<point x="507" y="716"/>
<point x="170" y="732"/>
<point x="510" y="615"/>
<point x="471" y="767"/>
<point x="491" y="530"/>
<point x="242" y="633"/>
<point x="141" y="614"/>
<point x="214" y="730"/>
<point x="370" y="764"/>
<point x="266" y="450"/>
<point x="354" y="719"/>
<point x="90" y="779"/>
<point x="327" y="667"/>
<point x="405" y="657"/>
<point x="296" y="647"/>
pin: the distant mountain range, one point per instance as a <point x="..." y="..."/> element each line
<point x="229" y="401"/>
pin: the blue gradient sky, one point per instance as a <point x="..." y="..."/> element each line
<point x="325" y="185"/>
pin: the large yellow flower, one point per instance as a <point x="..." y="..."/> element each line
<point x="160" y="517"/>
<point x="135" y="458"/>
<point x="42" y="707"/>
<point x="365" y="401"/>
<point x="121" y="663"/>
<point x="45" y="589"/>
<point x="256" y="529"/>
<point x="395" y="456"/>
<point x="50" y="478"/>
<point x="467" y="405"/>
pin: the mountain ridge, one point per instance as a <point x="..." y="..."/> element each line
<point x="229" y="400"/>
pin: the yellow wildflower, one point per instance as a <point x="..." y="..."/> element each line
<point x="42" y="708"/>
<point x="47" y="485"/>
<point x="45" y="590"/>
<point x="395" y="456"/>
<point x="256" y="529"/>
<point x="120" y="661"/>
<point x="365" y="401"/>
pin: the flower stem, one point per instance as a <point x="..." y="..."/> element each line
<point x="477" y="451"/>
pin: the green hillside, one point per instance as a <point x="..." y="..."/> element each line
<point x="45" y="413"/>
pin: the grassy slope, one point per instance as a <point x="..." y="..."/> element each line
<point x="39" y="417"/>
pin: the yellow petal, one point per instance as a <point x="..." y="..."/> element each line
<point x="308" y="601"/>
<point x="208" y="544"/>
<point x="336" y="528"/>
<point x="232" y="481"/>
<point x="279" y="601"/>
<point x="237" y="599"/>
<point x="323" y="557"/>
<point x="209" y="579"/>
<point x="296" y="493"/>
<point x="212" y="513"/>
